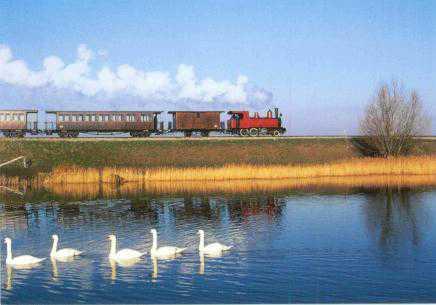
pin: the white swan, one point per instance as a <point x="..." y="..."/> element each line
<point x="62" y="254"/>
<point x="163" y="252"/>
<point x="19" y="261"/>
<point x="212" y="249"/>
<point x="124" y="254"/>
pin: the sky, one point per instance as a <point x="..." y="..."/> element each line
<point x="320" y="62"/>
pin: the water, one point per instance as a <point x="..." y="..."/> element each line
<point x="354" y="245"/>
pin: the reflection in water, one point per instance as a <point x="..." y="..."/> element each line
<point x="125" y="263"/>
<point x="287" y="244"/>
<point x="8" y="283"/>
<point x="92" y="191"/>
<point x="155" y="267"/>
<point x="393" y="217"/>
<point x="54" y="266"/>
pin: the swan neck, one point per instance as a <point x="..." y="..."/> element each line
<point x="8" y="251"/>
<point x="201" y="245"/>
<point x="54" y="247"/>
<point x="113" y="247"/>
<point x="154" y="246"/>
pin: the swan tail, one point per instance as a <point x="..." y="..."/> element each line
<point x="227" y="248"/>
<point x="78" y="253"/>
<point x="180" y="250"/>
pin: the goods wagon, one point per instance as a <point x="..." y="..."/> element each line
<point x="137" y="123"/>
<point x="195" y="121"/>
<point x="16" y="123"/>
<point x="243" y="124"/>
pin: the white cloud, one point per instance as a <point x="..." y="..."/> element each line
<point x="81" y="77"/>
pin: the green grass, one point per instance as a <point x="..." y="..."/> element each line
<point x="46" y="154"/>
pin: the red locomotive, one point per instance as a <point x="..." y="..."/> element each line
<point x="245" y="125"/>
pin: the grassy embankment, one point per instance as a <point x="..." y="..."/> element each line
<point x="109" y="161"/>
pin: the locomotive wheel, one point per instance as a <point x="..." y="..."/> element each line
<point x="188" y="134"/>
<point x="205" y="133"/>
<point x="243" y="132"/>
<point x="254" y="132"/>
<point x="276" y="133"/>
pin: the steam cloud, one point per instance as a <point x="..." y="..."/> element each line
<point x="78" y="84"/>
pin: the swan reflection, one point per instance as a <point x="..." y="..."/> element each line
<point x="9" y="277"/>
<point x="155" y="267"/>
<point x="54" y="268"/>
<point x="202" y="255"/>
<point x="122" y="263"/>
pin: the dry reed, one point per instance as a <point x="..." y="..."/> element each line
<point x="423" y="165"/>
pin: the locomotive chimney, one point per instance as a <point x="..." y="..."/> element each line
<point x="276" y="113"/>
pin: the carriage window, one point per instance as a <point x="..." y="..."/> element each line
<point x="73" y="118"/>
<point x="100" y="118"/>
<point x="2" y="117"/>
<point x="7" y="117"/>
<point x="21" y="117"/>
<point x="80" y="118"/>
<point x="145" y="118"/>
<point x="86" y="117"/>
<point x="14" y="117"/>
<point x="93" y="117"/>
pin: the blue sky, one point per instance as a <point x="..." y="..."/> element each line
<point x="319" y="61"/>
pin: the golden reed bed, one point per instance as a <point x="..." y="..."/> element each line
<point x="424" y="165"/>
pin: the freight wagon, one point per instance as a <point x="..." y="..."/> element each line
<point x="195" y="121"/>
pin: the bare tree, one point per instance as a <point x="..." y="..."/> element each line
<point x="392" y="120"/>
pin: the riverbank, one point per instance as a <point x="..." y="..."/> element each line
<point x="47" y="154"/>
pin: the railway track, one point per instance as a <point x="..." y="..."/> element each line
<point x="181" y="138"/>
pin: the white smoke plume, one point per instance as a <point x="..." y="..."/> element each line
<point x="78" y="84"/>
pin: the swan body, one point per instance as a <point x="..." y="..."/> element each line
<point x="62" y="254"/>
<point x="212" y="249"/>
<point x="19" y="261"/>
<point x="124" y="254"/>
<point x="163" y="252"/>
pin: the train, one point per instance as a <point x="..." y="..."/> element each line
<point x="70" y="124"/>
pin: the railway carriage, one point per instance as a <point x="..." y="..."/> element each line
<point x="137" y="123"/>
<point x="16" y="123"/>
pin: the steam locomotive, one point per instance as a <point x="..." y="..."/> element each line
<point x="69" y="124"/>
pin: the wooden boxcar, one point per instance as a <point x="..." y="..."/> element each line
<point x="16" y="123"/>
<point x="243" y="124"/>
<point x="195" y="121"/>
<point x="137" y="123"/>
